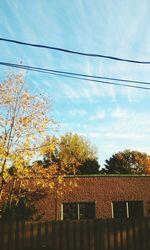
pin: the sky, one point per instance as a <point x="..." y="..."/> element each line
<point x="112" y="118"/>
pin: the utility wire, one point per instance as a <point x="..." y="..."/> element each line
<point x="45" y="70"/>
<point x="88" y="78"/>
<point x="74" y="52"/>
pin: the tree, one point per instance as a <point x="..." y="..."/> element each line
<point x="23" y="121"/>
<point x="90" y="166"/>
<point x="20" y="210"/>
<point x="128" y="162"/>
<point x="73" y="154"/>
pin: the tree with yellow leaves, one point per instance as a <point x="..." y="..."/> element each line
<point x="23" y="121"/>
<point x="72" y="153"/>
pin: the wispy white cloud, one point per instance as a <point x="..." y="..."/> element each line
<point x="100" y="115"/>
<point x="89" y="31"/>
<point x="120" y="113"/>
<point x="78" y="112"/>
<point x="93" y="135"/>
<point x="126" y="135"/>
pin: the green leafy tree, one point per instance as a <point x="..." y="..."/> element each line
<point x="73" y="154"/>
<point x="90" y="166"/>
<point x="127" y="162"/>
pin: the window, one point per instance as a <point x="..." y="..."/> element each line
<point x="127" y="209"/>
<point x="119" y="209"/>
<point x="135" y="209"/>
<point x="78" y="211"/>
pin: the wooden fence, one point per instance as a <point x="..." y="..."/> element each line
<point x="110" y="234"/>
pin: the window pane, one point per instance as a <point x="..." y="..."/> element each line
<point x="135" y="209"/>
<point x="70" y="211"/>
<point x="119" y="209"/>
<point x="79" y="211"/>
<point x="87" y="210"/>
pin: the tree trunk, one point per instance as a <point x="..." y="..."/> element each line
<point x="2" y="178"/>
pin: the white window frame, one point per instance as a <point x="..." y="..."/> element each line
<point x="127" y="209"/>
<point x="112" y="210"/>
<point x="61" y="211"/>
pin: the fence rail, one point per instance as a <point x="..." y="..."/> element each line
<point x="110" y="234"/>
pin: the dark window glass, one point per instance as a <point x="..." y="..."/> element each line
<point x="87" y="210"/>
<point x="128" y="209"/>
<point x="119" y="209"/>
<point x="70" y="211"/>
<point x="135" y="209"/>
<point x="78" y="211"/>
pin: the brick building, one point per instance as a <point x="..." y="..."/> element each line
<point x="98" y="197"/>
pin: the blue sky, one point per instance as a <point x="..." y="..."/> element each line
<point x="112" y="118"/>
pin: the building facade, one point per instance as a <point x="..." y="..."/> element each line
<point x="98" y="197"/>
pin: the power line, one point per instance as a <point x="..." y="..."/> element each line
<point x="74" y="52"/>
<point x="88" y="78"/>
<point x="45" y="70"/>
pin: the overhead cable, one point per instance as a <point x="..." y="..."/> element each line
<point x="45" y="70"/>
<point x="76" y="76"/>
<point x="75" y="52"/>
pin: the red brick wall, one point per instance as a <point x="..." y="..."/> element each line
<point x="100" y="189"/>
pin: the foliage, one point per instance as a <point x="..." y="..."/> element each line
<point x="72" y="154"/>
<point x="89" y="167"/>
<point x="23" y="121"/>
<point x="127" y="162"/>
<point x="20" y="210"/>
